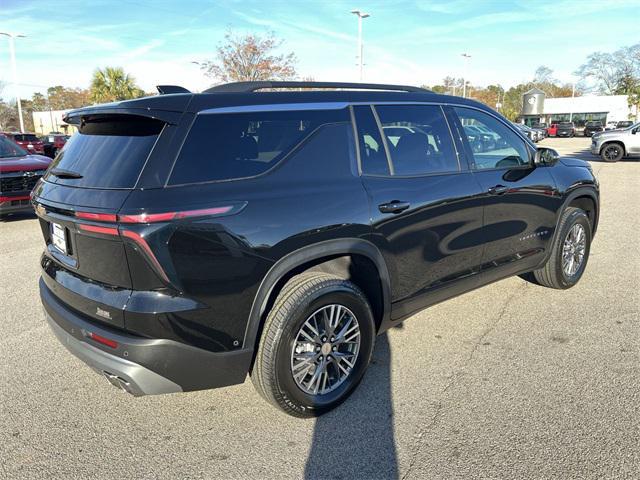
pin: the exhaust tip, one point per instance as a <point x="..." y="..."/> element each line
<point x="118" y="382"/>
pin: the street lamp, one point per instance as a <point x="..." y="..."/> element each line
<point x="360" y="15"/>
<point x="12" y="52"/>
<point x="467" y="57"/>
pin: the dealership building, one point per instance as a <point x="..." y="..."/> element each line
<point x="52" y="121"/>
<point x="536" y="108"/>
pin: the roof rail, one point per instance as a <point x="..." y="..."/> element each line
<point x="246" y="87"/>
<point x="165" y="89"/>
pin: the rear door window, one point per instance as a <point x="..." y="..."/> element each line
<point x="227" y="146"/>
<point x="418" y="138"/>
<point x="108" y="151"/>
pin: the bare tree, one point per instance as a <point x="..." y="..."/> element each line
<point x="250" y="57"/>
<point x="613" y="72"/>
<point x="543" y="75"/>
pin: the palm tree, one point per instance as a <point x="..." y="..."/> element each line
<point x="112" y="84"/>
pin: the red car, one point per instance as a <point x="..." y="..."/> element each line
<point x="29" y="141"/>
<point x="552" y="131"/>
<point x="19" y="173"/>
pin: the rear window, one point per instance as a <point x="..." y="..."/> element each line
<point x="566" y="124"/>
<point x="108" y="151"/>
<point x="226" y="146"/>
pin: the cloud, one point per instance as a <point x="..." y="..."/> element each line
<point x="143" y="49"/>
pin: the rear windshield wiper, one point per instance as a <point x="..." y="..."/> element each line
<point x="64" y="173"/>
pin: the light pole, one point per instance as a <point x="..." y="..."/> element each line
<point x="573" y="95"/>
<point x="12" y="52"/>
<point x="360" y="15"/>
<point x="467" y="57"/>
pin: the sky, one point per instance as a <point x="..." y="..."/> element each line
<point x="406" y="42"/>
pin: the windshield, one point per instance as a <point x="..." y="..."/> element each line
<point x="566" y="124"/>
<point x="26" y="137"/>
<point x="10" y="149"/>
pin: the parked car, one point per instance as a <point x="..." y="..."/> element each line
<point x="566" y="129"/>
<point x="592" y="127"/>
<point x="610" y="126"/>
<point x="542" y="133"/>
<point x="552" y="130"/>
<point x="529" y="132"/>
<point x="19" y="173"/>
<point x="191" y="239"/>
<point x="542" y="127"/>
<point x="29" y="141"/>
<point x="53" y="143"/>
<point x="613" y="145"/>
<point x="623" y="124"/>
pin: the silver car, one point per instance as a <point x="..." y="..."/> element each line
<point x="612" y="145"/>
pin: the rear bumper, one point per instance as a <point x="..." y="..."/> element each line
<point x="143" y="366"/>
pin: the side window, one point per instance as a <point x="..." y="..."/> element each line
<point x="225" y="146"/>
<point x="373" y="157"/>
<point x="492" y="143"/>
<point x="418" y="138"/>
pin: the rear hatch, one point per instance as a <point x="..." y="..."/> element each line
<point x="86" y="261"/>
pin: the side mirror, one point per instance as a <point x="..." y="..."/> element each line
<point x="545" y="156"/>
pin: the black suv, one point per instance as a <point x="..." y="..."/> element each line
<point x="194" y="238"/>
<point x="566" y="129"/>
<point x="592" y="127"/>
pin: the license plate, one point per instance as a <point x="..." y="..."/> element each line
<point x="59" y="237"/>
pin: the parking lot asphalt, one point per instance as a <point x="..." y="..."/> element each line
<point x="509" y="381"/>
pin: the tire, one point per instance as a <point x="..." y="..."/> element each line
<point x="272" y="374"/>
<point x="612" y="152"/>
<point x="553" y="274"/>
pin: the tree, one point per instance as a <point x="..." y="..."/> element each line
<point x="63" y="98"/>
<point x="249" y="58"/>
<point x="611" y="72"/>
<point x="39" y="102"/>
<point x="543" y="74"/>
<point x="112" y="84"/>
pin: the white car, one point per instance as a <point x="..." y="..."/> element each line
<point x="612" y="145"/>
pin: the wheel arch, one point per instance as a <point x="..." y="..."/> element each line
<point x="609" y="142"/>
<point x="585" y="198"/>
<point x="327" y="256"/>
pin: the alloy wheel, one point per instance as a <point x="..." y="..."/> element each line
<point x="573" y="250"/>
<point x="325" y="350"/>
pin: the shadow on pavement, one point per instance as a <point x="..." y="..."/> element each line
<point x="15" y="217"/>
<point x="357" y="439"/>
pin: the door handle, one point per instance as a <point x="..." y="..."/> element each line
<point x="394" y="206"/>
<point x="498" y="190"/>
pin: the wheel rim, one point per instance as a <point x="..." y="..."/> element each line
<point x="612" y="153"/>
<point x="325" y="349"/>
<point x="573" y="250"/>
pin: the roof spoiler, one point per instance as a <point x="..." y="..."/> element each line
<point x="247" y="87"/>
<point x="165" y="89"/>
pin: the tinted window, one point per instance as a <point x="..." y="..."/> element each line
<point x="492" y="143"/>
<point x="108" y="151"/>
<point x="238" y="145"/>
<point x="418" y="138"/>
<point x="373" y="157"/>
<point x="26" y="137"/>
<point x="10" y="149"/>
